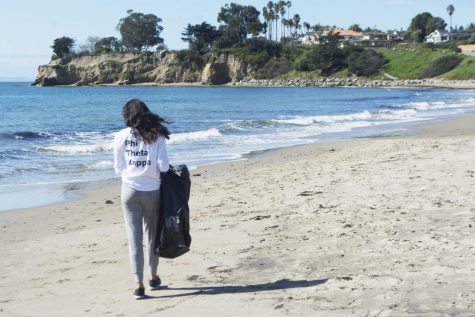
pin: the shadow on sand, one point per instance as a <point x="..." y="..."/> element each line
<point x="233" y="289"/>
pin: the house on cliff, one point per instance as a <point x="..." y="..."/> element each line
<point x="441" y="36"/>
<point x="350" y="37"/>
<point x="381" y="39"/>
<point x="309" y="38"/>
<point x="437" y="37"/>
<point x="347" y="36"/>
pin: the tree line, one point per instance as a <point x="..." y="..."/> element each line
<point x="240" y="25"/>
<point x="138" y="32"/>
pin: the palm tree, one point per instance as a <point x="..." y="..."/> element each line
<point x="276" y="18"/>
<point x="282" y="12"/>
<point x="288" y="5"/>
<point x="285" y="23"/>
<point x="270" y="8"/>
<point x="306" y="26"/>
<point x="297" y="24"/>
<point x="355" y="27"/>
<point x="265" y="14"/>
<point x="278" y="6"/>
<point x="290" y="23"/>
<point x="317" y="27"/>
<point x="450" y="11"/>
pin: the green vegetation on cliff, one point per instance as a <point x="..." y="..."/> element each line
<point x="306" y="62"/>
<point x="465" y="70"/>
<point x="407" y="64"/>
<point x="426" y="63"/>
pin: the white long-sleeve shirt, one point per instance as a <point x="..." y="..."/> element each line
<point x="139" y="163"/>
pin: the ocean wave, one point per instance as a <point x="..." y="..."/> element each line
<point x="326" y="120"/>
<point x="50" y="135"/>
<point x="434" y="105"/>
<point x="15" y="154"/>
<point x="92" y="134"/>
<point x="393" y="115"/>
<point x="425" y="105"/>
<point x="289" y="135"/>
<point x="101" y="165"/>
<point x="311" y="120"/>
<point x="353" y="99"/>
<point x="245" y="125"/>
<point x="78" y="148"/>
<point x="470" y="100"/>
<point x="195" y="135"/>
<point x="27" y="135"/>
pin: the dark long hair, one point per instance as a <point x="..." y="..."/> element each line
<point x="145" y="124"/>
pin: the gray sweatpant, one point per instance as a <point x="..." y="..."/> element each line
<point x="141" y="215"/>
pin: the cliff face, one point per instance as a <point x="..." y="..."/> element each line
<point x="225" y="69"/>
<point x="129" y="68"/>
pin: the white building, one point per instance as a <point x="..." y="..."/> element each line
<point x="366" y="39"/>
<point x="309" y="38"/>
<point x="437" y="37"/>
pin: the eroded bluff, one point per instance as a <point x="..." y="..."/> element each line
<point x="149" y="68"/>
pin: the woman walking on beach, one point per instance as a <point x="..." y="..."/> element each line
<point x="140" y="154"/>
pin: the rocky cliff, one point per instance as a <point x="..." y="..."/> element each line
<point x="130" y="68"/>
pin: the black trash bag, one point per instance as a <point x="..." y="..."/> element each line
<point x="173" y="234"/>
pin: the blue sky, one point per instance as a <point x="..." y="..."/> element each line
<point x="28" y="27"/>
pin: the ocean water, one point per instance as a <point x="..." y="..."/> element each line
<point x="53" y="139"/>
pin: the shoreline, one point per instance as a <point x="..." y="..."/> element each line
<point x="324" y="82"/>
<point x="74" y="190"/>
<point x="373" y="226"/>
<point x="457" y="124"/>
<point x="359" y="83"/>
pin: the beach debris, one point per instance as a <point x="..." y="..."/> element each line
<point x="192" y="277"/>
<point x="309" y="193"/>
<point x="279" y="306"/>
<point x="259" y="217"/>
<point x="196" y="175"/>
<point x="109" y="202"/>
<point x="321" y="206"/>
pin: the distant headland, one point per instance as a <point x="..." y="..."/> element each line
<point x="268" y="48"/>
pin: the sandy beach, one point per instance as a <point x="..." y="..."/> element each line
<point x="366" y="227"/>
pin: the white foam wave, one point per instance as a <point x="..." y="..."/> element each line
<point x="393" y="115"/>
<point x="245" y="125"/>
<point x="469" y="100"/>
<point x="195" y="135"/>
<point x="310" y="120"/>
<point x="101" y="165"/>
<point x="437" y="105"/>
<point x="364" y="116"/>
<point x="78" y="148"/>
<point x="424" y="105"/>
